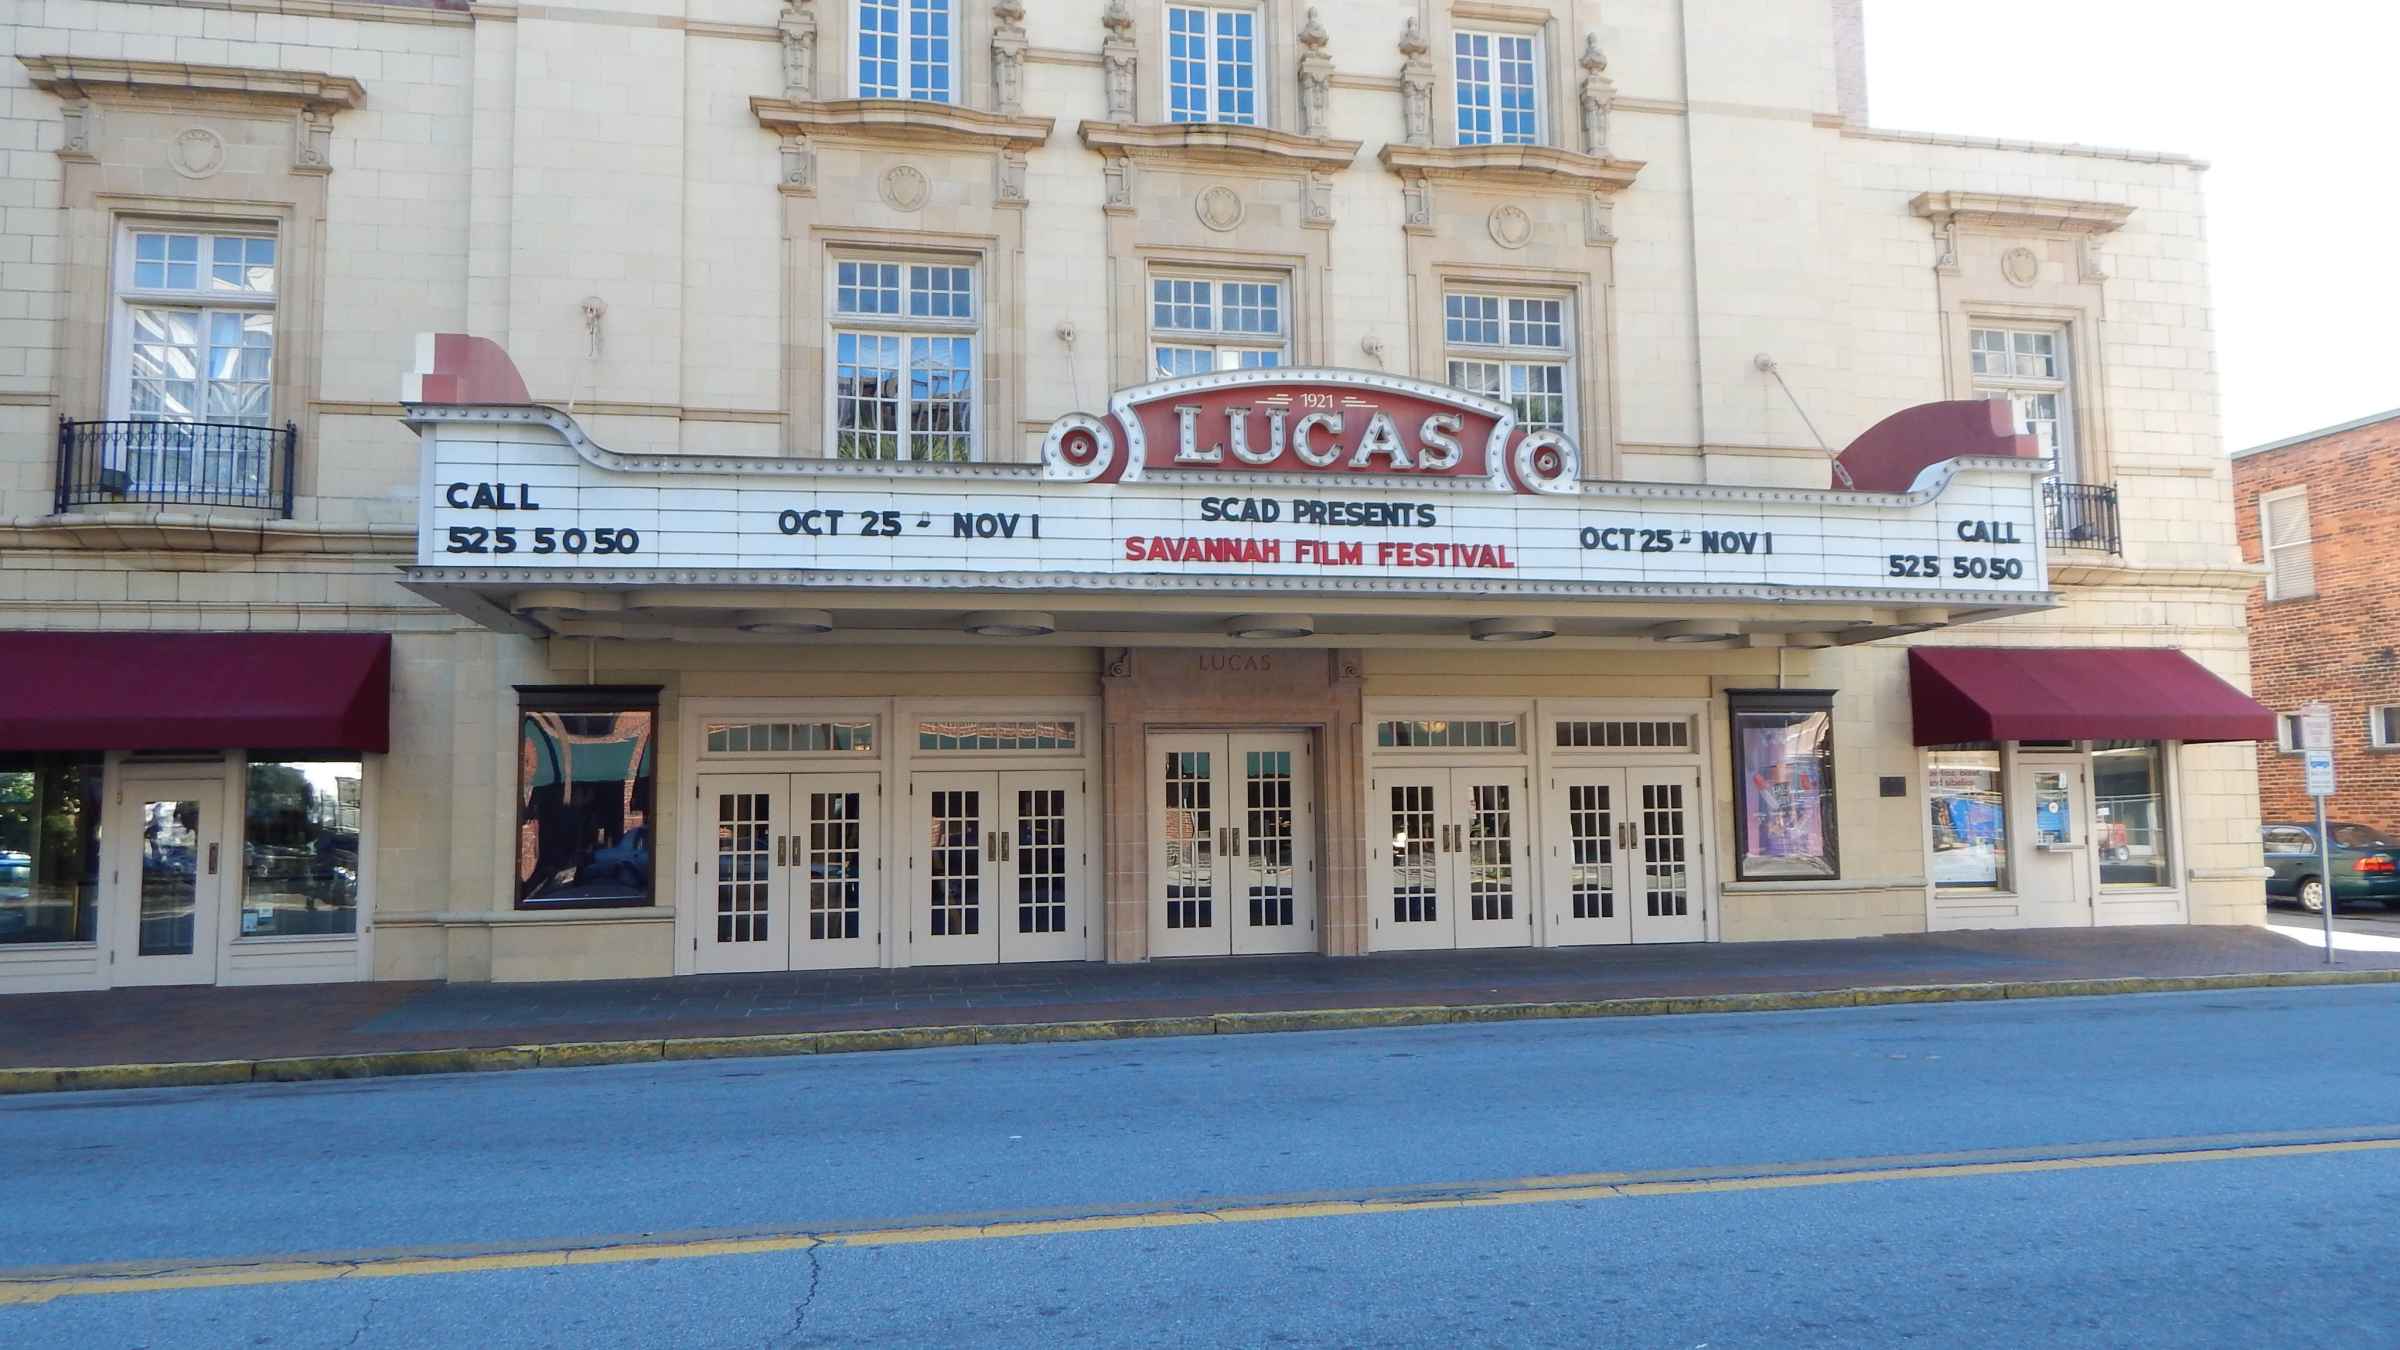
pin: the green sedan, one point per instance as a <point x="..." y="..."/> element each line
<point x="2366" y="865"/>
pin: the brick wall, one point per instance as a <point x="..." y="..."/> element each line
<point x="2342" y="644"/>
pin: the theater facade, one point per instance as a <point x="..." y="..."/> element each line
<point x="1093" y="482"/>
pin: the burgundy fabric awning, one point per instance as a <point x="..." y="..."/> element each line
<point x="2075" y="694"/>
<point x="195" y="691"/>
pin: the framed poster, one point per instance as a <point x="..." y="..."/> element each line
<point x="1783" y="785"/>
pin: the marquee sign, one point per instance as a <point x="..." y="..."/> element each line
<point x="1243" y="483"/>
<point x="1328" y="422"/>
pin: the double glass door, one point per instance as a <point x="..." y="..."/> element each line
<point x="169" y="873"/>
<point x="1233" y="869"/>
<point x="997" y="866"/>
<point x="1624" y="856"/>
<point x="1451" y="858"/>
<point x="797" y="864"/>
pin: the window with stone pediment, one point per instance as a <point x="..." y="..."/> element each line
<point x="1213" y="54"/>
<point x="1496" y="86"/>
<point x="905" y="347"/>
<point x="908" y="49"/>
<point x="1515" y="347"/>
<point x="1214" y="320"/>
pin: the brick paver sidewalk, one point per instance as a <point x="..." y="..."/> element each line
<point x="132" y="1026"/>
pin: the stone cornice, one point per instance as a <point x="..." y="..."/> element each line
<point x="201" y="532"/>
<point x="1520" y="166"/>
<point x="889" y="121"/>
<point x="2068" y="569"/>
<point x="1218" y="143"/>
<point x="90" y="77"/>
<point x="2002" y="211"/>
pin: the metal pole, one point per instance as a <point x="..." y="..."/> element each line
<point x="2325" y="869"/>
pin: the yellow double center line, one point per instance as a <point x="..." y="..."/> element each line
<point x="28" y="1286"/>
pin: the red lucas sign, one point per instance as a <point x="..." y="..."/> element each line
<point x="1261" y="423"/>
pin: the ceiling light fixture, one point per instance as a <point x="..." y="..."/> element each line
<point x="1009" y="623"/>
<point x="784" y="622"/>
<point x="1697" y="630"/>
<point x="1512" y="630"/>
<point x="1267" y="627"/>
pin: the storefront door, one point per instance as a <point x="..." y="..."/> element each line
<point x="167" y="880"/>
<point x="797" y="864"/>
<point x="1233" y="867"/>
<point x="1624" y="857"/>
<point x="1451" y="868"/>
<point x="996" y="867"/>
<point x="2054" y="805"/>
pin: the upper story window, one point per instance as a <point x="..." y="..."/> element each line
<point x="904" y="368"/>
<point x="905" y="50"/>
<point x="2028" y="367"/>
<point x="2285" y="539"/>
<point x="1497" y="87"/>
<point x="1200" y="323"/>
<point x="1514" y="348"/>
<point x="1212" y="64"/>
<point x="196" y="327"/>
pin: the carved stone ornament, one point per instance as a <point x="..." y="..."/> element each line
<point x="1316" y="199"/>
<point x="1511" y="227"/>
<point x="196" y="152"/>
<point x="1416" y="200"/>
<point x="1220" y="208"/>
<point x="1599" y="221"/>
<point x="1008" y="56"/>
<point x="1009" y="187"/>
<point x="1117" y="60"/>
<point x="1416" y="86"/>
<point x="312" y="141"/>
<point x="799" y="25"/>
<point x="2021" y="266"/>
<point x="904" y="188"/>
<point x="79" y="121"/>
<point x="799" y="167"/>
<point x="1599" y="97"/>
<point x="1316" y="77"/>
<point x="1118" y="173"/>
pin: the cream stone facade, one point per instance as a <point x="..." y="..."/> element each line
<point x="671" y="215"/>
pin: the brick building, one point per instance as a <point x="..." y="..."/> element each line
<point x="2317" y="512"/>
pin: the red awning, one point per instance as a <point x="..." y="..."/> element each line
<point x="2075" y="694"/>
<point x="195" y="691"/>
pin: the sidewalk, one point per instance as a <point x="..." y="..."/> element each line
<point x="591" y="1022"/>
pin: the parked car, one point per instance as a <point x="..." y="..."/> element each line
<point x="2366" y="864"/>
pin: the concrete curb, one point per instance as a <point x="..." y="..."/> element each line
<point x="573" y="1054"/>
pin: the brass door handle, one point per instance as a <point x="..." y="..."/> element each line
<point x="1007" y="845"/>
<point x="780" y="841"/>
<point x="1236" y="832"/>
<point x="212" y="860"/>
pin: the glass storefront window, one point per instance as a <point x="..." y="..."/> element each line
<point x="1970" y="817"/>
<point x="2129" y="809"/>
<point x="1783" y="777"/>
<point x="586" y="760"/>
<point x="49" y="847"/>
<point x="300" y="848"/>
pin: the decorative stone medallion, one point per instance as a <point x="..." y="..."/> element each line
<point x="1511" y="227"/>
<point x="196" y="152"/>
<point x="1220" y="208"/>
<point x="904" y="188"/>
<point x="2021" y="265"/>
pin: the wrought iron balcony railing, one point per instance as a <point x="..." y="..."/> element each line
<point x="176" y="464"/>
<point x="2082" y="515"/>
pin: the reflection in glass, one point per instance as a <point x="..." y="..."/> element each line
<point x="49" y="847"/>
<point x="170" y="877"/>
<point x="2129" y="810"/>
<point x="1970" y="821"/>
<point x="584" y="804"/>
<point x="2053" y="809"/>
<point x="300" y="848"/>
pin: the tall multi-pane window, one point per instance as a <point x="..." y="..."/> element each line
<point x="905" y="50"/>
<point x="904" y="359"/>
<point x="198" y="326"/>
<point x="2283" y="531"/>
<point x="1212" y="64"/>
<point x="1498" y="98"/>
<point x="2028" y="367"/>
<point x="1204" y="323"/>
<point x="1513" y="348"/>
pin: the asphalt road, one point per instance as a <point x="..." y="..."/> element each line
<point x="2209" y="1169"/>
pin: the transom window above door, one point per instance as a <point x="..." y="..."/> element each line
<point x="2028" y="367"/>
<point x="906" y="50"/>
<point x="1515" y="349"/>
<point x="1203" y="323"/>
<point x="904" y="368"/>
<point x="1496" y="82"/>
<point x="1212" y="64"/>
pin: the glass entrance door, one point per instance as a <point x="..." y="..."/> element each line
<point x="1450" y="859"/>
<point x="1233" y="867"/>
<point x="997" y="863"/>
<point x="792" y="872"/>
<point x="2053" y="799"/>
<point x="167" y="881"/>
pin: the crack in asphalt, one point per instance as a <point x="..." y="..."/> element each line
<point x="364" y="1320"/>
<point x="816" y="1274"/>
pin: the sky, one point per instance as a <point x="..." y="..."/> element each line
<point x="2295" y="106"/>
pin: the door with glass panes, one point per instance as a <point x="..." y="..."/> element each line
<point x="997" y="863"/>
<point x="1233" y="859"/>
<point x="1452" y="867"/>
<point x="793" y="872"/>
<point x="1624" y="856"/>
<point x="166" y="888"/>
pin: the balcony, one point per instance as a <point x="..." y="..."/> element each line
<point x="2082" y="516"/>
<point x="199" y="464"/>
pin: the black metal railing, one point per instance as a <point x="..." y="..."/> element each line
<point x="2082" y="515"/>
<point x="176" y="464"/>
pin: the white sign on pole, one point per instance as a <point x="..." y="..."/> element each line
<point x="2316" y="728"/>
<point x="2319" y="767"/>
